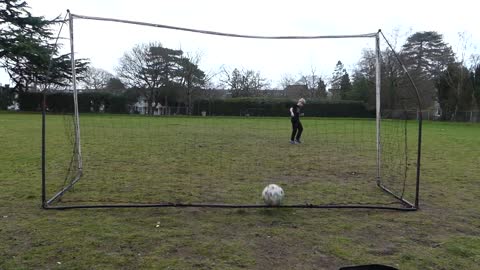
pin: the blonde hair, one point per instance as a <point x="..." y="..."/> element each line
<point x="302" y="100"/>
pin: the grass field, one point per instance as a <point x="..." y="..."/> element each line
<point x="442" y="235"/>
<point x="224" y="160"/>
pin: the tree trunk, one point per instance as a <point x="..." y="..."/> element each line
<point x="149" y="102"/>
<point x="189" y="105"/>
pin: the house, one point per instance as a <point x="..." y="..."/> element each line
<point x="141" y="107"/>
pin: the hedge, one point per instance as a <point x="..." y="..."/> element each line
<point x="280" y="107"/>
<point x="110" y="103"/>
<point x="63" y="102"/>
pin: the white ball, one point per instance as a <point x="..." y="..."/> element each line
<point x="273" y="195"/>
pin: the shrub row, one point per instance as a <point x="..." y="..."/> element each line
<point x="63" y="102"/>
<point x="110" y="103"/>
<point x="280" y="107"/>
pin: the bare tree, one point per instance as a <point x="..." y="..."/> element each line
<point x="475" y="79"/>
<point x="243" y="83"/>
<point x="151" y="67"/>
<point x="474" y="60"/>
<point x="286" y="80"/>
<point x="136" y="71"/>
<point x="315" y="84"/>
<point x="191" y="77"/>
<point x="457" y="87"/>
<point x="96" y="78"/>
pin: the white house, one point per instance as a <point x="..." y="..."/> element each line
<point x="141" y="107"/>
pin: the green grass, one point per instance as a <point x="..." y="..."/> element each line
<point x="222" y="160"/>
<point x="442" y="235"/>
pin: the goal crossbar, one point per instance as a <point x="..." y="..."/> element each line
<point x="207" y="32"/>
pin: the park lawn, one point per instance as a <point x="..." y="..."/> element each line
<point x="226" y="160"/>
<point x="442" y="235"/>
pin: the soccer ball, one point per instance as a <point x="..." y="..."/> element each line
<point x="273" y="195"/>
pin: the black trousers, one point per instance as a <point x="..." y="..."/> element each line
<point x="297" y="129"/>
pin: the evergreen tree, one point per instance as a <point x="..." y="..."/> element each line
<point x="426" y="53"/>
<point x="426" y="57"/>
<point x="345" y="86"/>
<point x="28" y="51"/>
<point x="321" y="89"/>
<point x="361" y="88"/>
<point x="115" y="84"/>
<point x="340" y="82"/>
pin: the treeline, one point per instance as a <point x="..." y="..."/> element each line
<point x="443" y="79"/>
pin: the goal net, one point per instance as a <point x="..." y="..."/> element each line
<point x="200" y="118"/>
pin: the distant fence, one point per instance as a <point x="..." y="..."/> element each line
<point x="432" y="115"/>
<point x="463" y="116"/>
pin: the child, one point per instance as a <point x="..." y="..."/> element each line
<point x="297" y="127"/>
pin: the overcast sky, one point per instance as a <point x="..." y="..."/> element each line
<point x="104" y="43"/>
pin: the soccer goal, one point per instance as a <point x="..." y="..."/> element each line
<point x="212" y="129"/>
